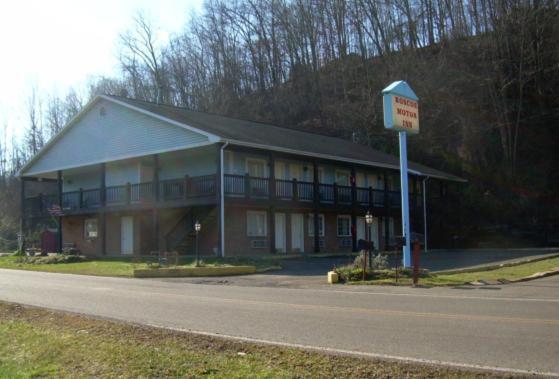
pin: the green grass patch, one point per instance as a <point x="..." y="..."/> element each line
<point x="49" y="344"/>
<point x="125" y="266"/>
<point x="433" y="279"/>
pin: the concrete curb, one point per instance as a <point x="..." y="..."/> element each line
<point x="494" y="266"/>
<point x="537" y="275"/>
<point x="193" y="271"/>
<point x="498" y="282"/>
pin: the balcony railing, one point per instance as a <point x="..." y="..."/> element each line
<point x="123" y="195"/>
<point x="244" y="186"/>
<point x="235" y="186"/>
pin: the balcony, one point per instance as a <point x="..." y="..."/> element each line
<point x="186" y="191"/>
<point x="175" y="191"/>
<point x="247" y="187"/>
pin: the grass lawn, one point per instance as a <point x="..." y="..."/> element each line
<point x="43" y="343"/>
<point x="123" y="266"/>
<point x="506" y="273"/>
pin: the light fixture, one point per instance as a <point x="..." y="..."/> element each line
<point x="369" y="218"/>
<point x="197" y="226"/>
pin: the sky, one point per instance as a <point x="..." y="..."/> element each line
<point x="55" y="45"/>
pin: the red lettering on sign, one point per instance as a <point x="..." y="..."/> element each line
<point x="404" y="101"/>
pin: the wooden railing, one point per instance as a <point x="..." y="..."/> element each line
<point x="124" y="195"/>
<point x="240" y="186"/>
<point x="245" y="186"/>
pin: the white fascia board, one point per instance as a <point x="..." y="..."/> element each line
<point x="212" y="137"/>
<point x="123" y="157"/>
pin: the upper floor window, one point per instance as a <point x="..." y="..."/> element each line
<point x="256" y="167"/>
<point x="342" y="177"/>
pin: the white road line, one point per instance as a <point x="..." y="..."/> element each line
<point x="361" y="353"/>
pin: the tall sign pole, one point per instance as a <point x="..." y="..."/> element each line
<point x="401" y="113"/>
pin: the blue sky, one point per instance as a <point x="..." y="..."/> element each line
<point x="57" y="44"/>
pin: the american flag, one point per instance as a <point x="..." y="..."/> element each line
<point x="56" y="210"/>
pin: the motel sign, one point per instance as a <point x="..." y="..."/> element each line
<point x="401" y="110"/>
<point x="401" y="113"/>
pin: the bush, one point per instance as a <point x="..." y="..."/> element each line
<point x="379" y="262"/>
<point x="352" y="273"/>
<point x="56" y="259"/>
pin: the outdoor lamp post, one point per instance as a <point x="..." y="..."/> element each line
<point x="369" y="222"/>
<point x="197" y="227"/>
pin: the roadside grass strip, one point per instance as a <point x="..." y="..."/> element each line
<point x="126" y="267"/>
<point x="52" y="344"/>
<point x="495" y="275"/>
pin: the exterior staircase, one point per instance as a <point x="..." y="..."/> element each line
<point x="182" y="237"/>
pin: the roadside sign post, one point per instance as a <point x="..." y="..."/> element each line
<point x="401" y="113"/>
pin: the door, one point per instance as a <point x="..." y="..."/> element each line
<point x="362" y="231"/>
<point x="280" y="232"/>
<point x="297" y="233"/>
<point x="374" y="233"/>
<point x="127" y="235"/>
<point x="295" y="172"/>
<point x="256" y="169"/>
<point x="361" y="234"/>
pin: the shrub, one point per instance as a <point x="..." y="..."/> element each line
<point x="379" y="262"/>
<point x="56" y="259"/>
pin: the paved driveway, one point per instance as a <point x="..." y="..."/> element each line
<point x="311" y="272"/>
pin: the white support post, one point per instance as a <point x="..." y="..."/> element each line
<point x="405" y="199"/>
<point x="222" y="199"/>
<point x="425" y="213"/>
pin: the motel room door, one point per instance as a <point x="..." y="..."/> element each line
<point x="280" y="232"/>
<point x="361" y="230"/>
<point x="127" y="235"/>
<point x="297" y="233"/>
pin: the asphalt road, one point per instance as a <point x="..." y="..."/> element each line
<point x="513" y="327"/>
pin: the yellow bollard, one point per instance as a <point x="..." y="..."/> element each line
<point x="333" y="277"/>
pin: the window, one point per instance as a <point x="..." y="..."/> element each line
<point x="344" y="226"/>
<point x="229" y="162"/>
<point x="256" y="224"/>
<point x="90" y="228"/>
<point x="342" y="178"/>
<point x="256" y="167"/>
<point x="320" y="225"/>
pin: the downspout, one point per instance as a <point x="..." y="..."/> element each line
<point x="425" y="212"/>
<point x="222" y="199"/>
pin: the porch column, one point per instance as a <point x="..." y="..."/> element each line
<point x="353" y="209"/>
<point x="414" y="202"/>
<point x="272" y="196"/>
<point x="22" y="215"/>
<point x="220" y="200"/>
<point x="386" y="211"/>
<point x="103" y="185"/>
<point x="155" y="212"/>
<point x="103" y="230"/>
<point x="156" y="177"/>
<point x="155" y="228"/>
<point x="59" y="226"/>
<point x="316" y="203"/>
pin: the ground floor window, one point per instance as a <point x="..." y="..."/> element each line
<point x="344" y="226"/>
<point x="256" y="224"/>
<point x="90" y="228"/>
<point x="320" y="225"/>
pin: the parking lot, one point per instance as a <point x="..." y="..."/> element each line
<point x="308" y="272"/>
